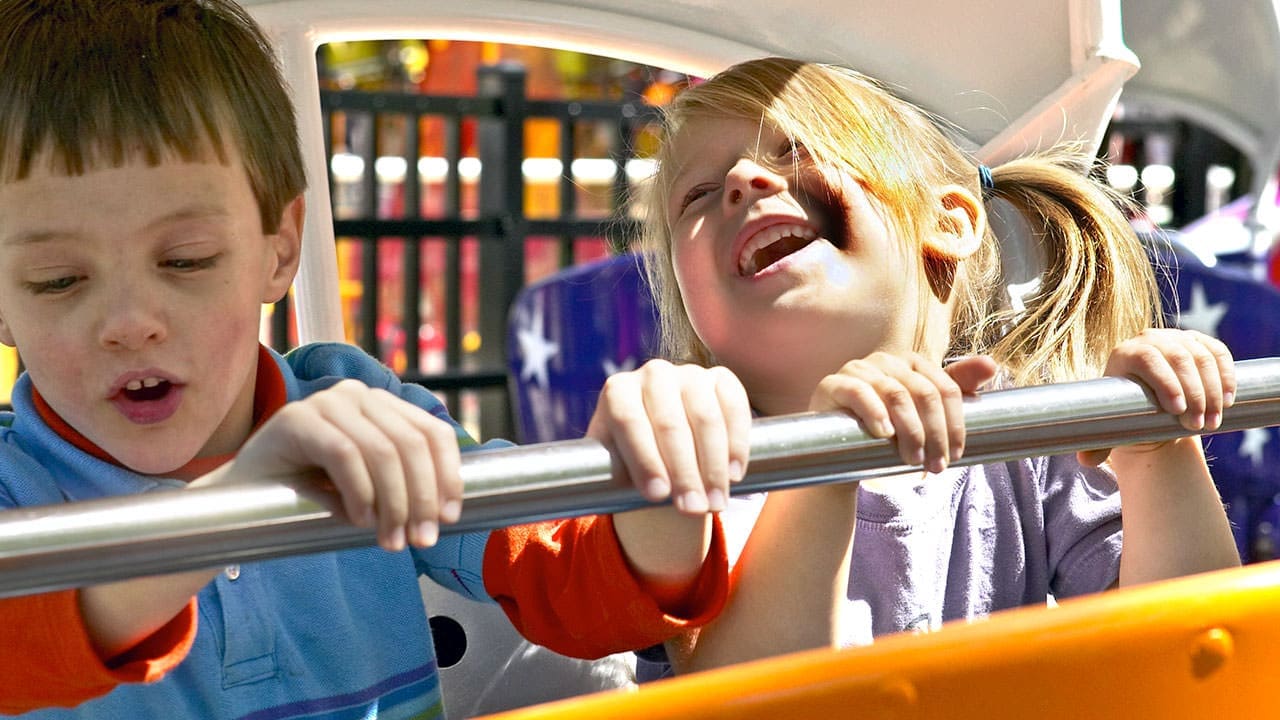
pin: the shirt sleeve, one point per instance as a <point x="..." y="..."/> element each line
<point x="1082" y="526"/>
<point x="565" y="585"/>
<point x="48" y="660"/>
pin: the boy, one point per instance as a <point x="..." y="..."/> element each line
<point x="150" y="201"/>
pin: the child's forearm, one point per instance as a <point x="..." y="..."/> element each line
<point x="1174" y="522"/>
<point x="120" y="615"/>
<point x="789" y="584"/>
<point x="665" y="550"/>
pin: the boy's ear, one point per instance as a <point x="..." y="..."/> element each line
<point x="962" y="221"/>
<point x="286" y="250"/>
<point x="6" y="337"/>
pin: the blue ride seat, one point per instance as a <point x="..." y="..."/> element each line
<point x="569" y="332"/>
<point x="1234" y="303"/>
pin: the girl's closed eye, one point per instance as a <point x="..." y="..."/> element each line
<point x="695" y="193"/>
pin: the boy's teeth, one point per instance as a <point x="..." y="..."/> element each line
<point x="139" y="384"/>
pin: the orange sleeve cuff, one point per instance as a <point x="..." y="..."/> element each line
<point x="566" y="585"/>
<point x="48" y="660"/>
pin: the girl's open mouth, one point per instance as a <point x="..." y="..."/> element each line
<point x="771" y="245"/>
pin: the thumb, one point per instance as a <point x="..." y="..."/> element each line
<point x="1092" y="458"/>
<point x="971" y="373"/>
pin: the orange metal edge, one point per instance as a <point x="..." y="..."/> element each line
<point x="1184" y="648"/>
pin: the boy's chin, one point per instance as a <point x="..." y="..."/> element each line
<point x="151" y="460"/>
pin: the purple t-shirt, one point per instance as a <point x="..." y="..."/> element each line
<point x="970" y="541"/>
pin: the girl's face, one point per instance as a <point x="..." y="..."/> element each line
<point x="787" y="270"/>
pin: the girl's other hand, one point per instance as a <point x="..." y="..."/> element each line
<point x="678" y="431"/>
<point x="1192" y="376"/>
<point x="909" y="398"/>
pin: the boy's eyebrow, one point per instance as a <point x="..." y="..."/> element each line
<point x="196" y="212"/>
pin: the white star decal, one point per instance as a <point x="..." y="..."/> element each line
<point x="535" y="348"/>
<point x="1253" y="443"/>
<point x="1201" y="315"/>
<point x="611" y="368"/>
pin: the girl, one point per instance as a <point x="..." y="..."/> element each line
<point x="829" y="244"/>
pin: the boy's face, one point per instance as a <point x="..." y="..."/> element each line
<point x="134" y="296"/>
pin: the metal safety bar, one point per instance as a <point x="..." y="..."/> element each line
<point x="58" y="546"/>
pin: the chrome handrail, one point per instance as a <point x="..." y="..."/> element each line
<point x="58" y="546"/>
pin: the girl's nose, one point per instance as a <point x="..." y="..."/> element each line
<point x="748" y="180"/>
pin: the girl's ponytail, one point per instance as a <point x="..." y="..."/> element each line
<point x="1097" y="287"/>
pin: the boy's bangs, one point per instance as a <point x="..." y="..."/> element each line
<point x="76" y="145"/>
<point x="119" y="117"/>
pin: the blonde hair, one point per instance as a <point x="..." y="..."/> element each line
<point x="1097" y="288"/>
<point x="105" y="81"/>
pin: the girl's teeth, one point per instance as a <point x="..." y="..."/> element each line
<point x="767" y="237"/>
<point x="139" y="384"/>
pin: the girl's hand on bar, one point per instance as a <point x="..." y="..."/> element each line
<point x="909" y="398"/>
<point x="1191" y="374"/>
<point x="678" y="431"/>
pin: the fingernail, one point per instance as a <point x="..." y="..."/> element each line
<point x="395" y="539"/>
<point x="692" y="502"/>
<point x="735" y="471"/>
<point x="1197" y="421"/>
<point x="656" y="488"/>
<point x="1228" y="398"/>
<point x="715" y="500"/>
<point x="917" y="457"/>
<point x="451" y="511"/>
<point x="956" y="454"/>
<point x="937" y="465"/>
<point x="1212" y="420"/>
<point x="426" y="533"/>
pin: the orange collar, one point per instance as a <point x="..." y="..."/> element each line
<point x="269" y="395"/>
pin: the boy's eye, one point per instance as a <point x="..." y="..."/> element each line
<point x="54" y="286"/>
<point x="190" y="264"/>
<point x="694" y="194"/>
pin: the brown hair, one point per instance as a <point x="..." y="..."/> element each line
<point x="107" y="81"/>
<point x="1098" y="287"/>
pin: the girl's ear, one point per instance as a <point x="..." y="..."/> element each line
<point x="962" y="221"/>
<point x="285" y="250"/>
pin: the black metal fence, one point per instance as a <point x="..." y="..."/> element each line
<point x="484" y="215"/>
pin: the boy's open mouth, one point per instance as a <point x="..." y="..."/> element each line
<point x="148" y="400"/>
<point x="147" y="390"/>
<point x="771" y="245"/>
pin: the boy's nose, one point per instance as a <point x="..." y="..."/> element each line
<point x="130" y="323"/>
<point x="747" y="180"/>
